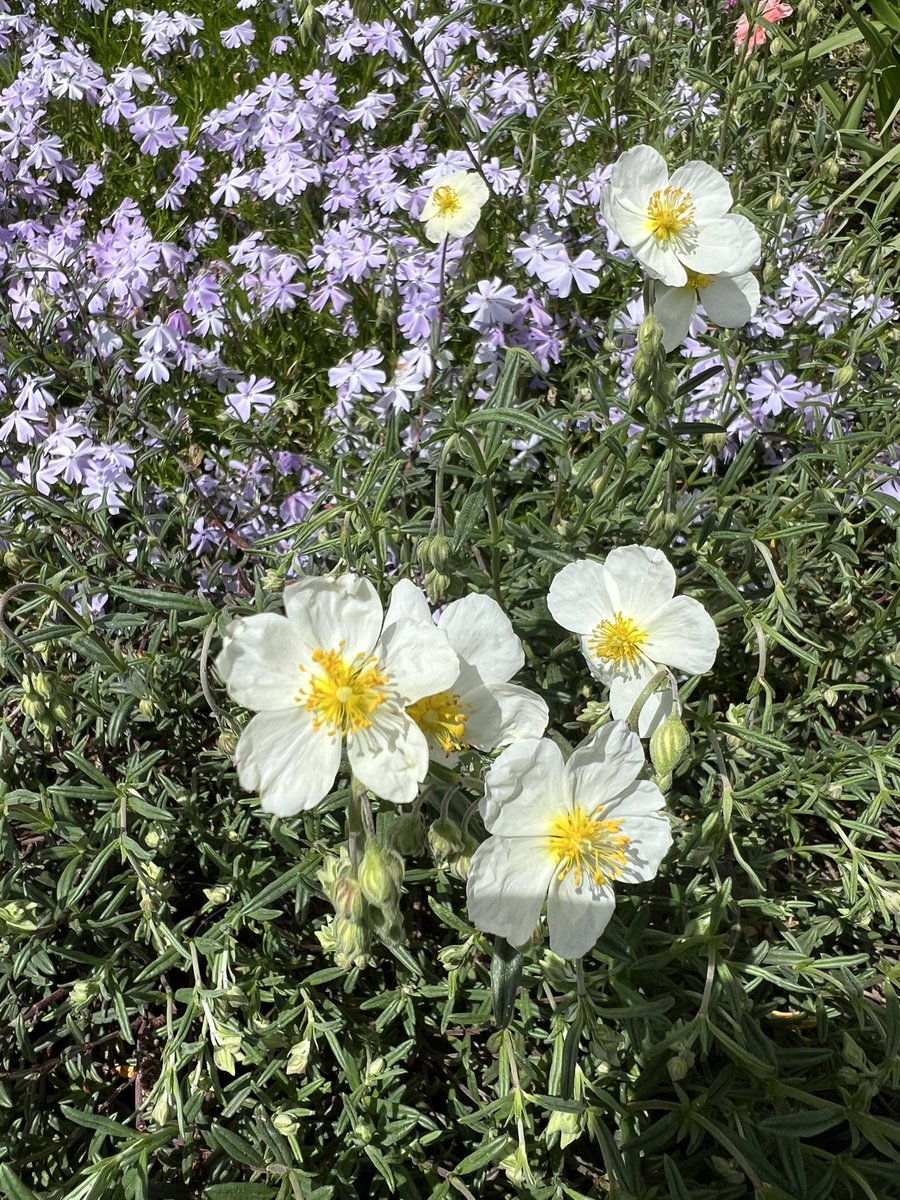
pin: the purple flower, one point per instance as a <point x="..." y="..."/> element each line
<point x="238" y="35"/>
<point x="358" y="375"/>
<point x="251" y="395"/>
<point x="491" y="304"/>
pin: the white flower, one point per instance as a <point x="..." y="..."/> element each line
<point x="454" y="206"/>
<point x="727" y="300"/>
<point x="678" y="222"/>
<point x="630" y="626"/>
<point x="567" y="831"/>
<point x="325" y="675"/>
<point x="480" y="708"/>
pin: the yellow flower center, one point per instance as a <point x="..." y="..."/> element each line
<point x="344" y="694"/>
<point x="583" y="844"/>
<point x="669" y="213"/>
<point x="695" y="282"/>
<point x="442" y="719"/>
<point x="446" y="200"/>
<point x="619" y="641"/>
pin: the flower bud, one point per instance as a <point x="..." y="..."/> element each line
<point x="437" y="585"/>
<point x="380" y="875"/>
<point x="844" y="375"/>
<point x="226" y="742"/>
<point x="12" y="561"/>
<point x="350" y="941"/>
<point x="39" y="683"/>
<point x="714" y="443"/>
<point x="775" y="201"/>
<point x="347" y="897"/>
<point x="650" y="335"/>
<point x="459" y="865"/>
<point x="285" y="1124"/>
<point x="668" y="744"/>
<point x="407" y="835"/>
<point x="439" y="551"/>
<point x="33" y="707"/>
<point x="445" y="841"/>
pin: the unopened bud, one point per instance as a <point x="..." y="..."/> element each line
<point x="380" y="875"/>
<point x="40" y="683"/>
<point x="12" y="561"/>
<point x="285" y="1124"/>
<point x="714" y="443"/>
<point x="775" y="201"/>
<point x="226" y="742"/>
<point x="650" y="335"/>
<point x="439" y="551"/>
<point x="776" y="46"/>
<point x="445" y="841"/>
<point x="844" y="375"/>
<point x="350" y="941"/>
<point x="437" y="585"/>
<point x="662" y="525"/>
<point x="459" y="866"/>
<point x="668" y="744"/>
<point x="33" y="706"/>
<point x="347" y="897"/>
<point x="831" y="168"/>
<point x="407" y="835"/>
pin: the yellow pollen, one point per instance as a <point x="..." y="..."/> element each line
<point x="695" y="282"/>
<point x="442" y="719"/>
<point x="619" y="641"/>
<point x="343" y="695"/>
<point x="669" y="213"/>
<point x="583" y="844"/>
<point x="446" y="200"/>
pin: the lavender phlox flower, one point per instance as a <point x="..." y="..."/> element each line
<point x="371" y="109"/>
<point x="229" y="187"/>
<point x="281" y="43"/>
<point x="88" y="181"/>
<point x="383" y="37"/>
<point x="560" y="271"/>
<point x="251" y="395"/>
<point x="238" y="35"/>
<point x="774" y="389"/>
<point x="154" y="128"/>
<point x="358" y="374"/>
<point x="492" y="303"/>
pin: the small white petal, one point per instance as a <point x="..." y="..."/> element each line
<point x="650" y="840"/>
<point x="407" y="602"/>
<point x="604" y="766"/>
<point x="578" y="599"/>
<point x="662" y="262"/>
<point x="629" y="224"/>
<point x="576" y="916"/>
<point x="709" y="190"/>
<point x="418" y="660"/>
<point x="507" y="882"/>
<point x="523" y="714"/>
<point x="639" y="580"/>
<point x="682" y="635"/>
<point x="674" y="309"/>
<point x="391" y="758"/>
<point x="524" y="788"/>
<point x="288" y="763"/>
<point x="730" y="301"/>
<point x="327" y="612"/>
<point x="482" y="635"/>
<point x="260" y="660"/>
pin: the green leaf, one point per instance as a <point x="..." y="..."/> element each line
<point x="12" y="1186"/>
<point x="506" y="975"/>
<point x="237" y="1191"/>
<point x="238" y="1149"/>
<point x="808" y="1123"/>
<point x="100" y="1124"/>
<point x="484" y="1155"/>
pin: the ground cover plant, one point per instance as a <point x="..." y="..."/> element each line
<point x="567" y="863"/>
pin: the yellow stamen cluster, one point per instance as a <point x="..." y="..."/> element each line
<point x="618" y="641"/>
<point x="446" y="200"/>
<point x="344" y="694"/>
<point x="583" y="844"/>
<point x="695" y="282"/>
<point x="669" y="213"/>
<point x="442" y="719"/>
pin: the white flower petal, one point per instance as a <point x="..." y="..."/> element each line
<point x="290" y="765"/>
<point x="624" y="693"/>
<point x="578" y="599"/>
<point x="390" y="758"/>
<point x="259" y="662"/>
<point x="407" y="602"/>
<point x="637" y="174"/>
<point x="523" y="714"/>
<point x="730" y="301"/>
<point x="629" y="224"/>
<point x="327" y="612"/>
<point x="662" y="262"/>
<point x="682" y="635"/>
<point x="604" y="766"/>
<point x="524" y="789"/>
<point x="674" y="309"/>
<point x="729" y="244"/>
<point x="506" y="886"/>
<point x="418" y="660"/>
<point x="576" y="916"/>
<point x="650" y="838"/>
<point x="639" y="580"/>
<point x="482" y="635"/>
<point x="708" y="188"/>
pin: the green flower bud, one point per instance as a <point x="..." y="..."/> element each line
<point x="347" y="897"/>
<point x="350" y="942"/>
<point x="650" y="336"/>
<point x="33" y="707"/>
<point x="459" y="866"/>
<point x="12" y="561"/>
<point x="61" y="710"/>
<point x="285" y="1124"/>
<point x="667" y="745"/>
<point x="41" y="684"/>
<point x="437" y="584"/>
<point x="714" y="443"/>
<point x="445" y="841"/>
<point x="380" y="875"/>
<point x="439" y="551"/>
<point x="844" y="375"/>
<point x="407" y="835"/>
